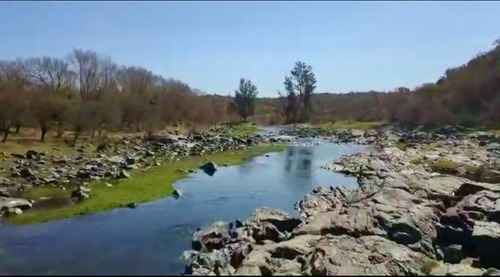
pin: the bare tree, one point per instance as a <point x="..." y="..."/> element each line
<point x="108" y="73"/>
<point x="50" y="73"/>
<point x="136" y="80"/>
<point x="85" y="66"/>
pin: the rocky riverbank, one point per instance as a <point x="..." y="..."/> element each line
<point x="107" y="161"/>
<point x="427" y="203"/>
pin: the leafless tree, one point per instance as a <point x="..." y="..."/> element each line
<point x="51" y="73"/>
<point x="85" y="66"/>
<point x="135" y="80"/>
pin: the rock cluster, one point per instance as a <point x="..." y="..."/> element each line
<point x="112" y="160"/>
<point x="403" y="219"/>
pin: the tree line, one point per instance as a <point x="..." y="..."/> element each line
<point x="86" y="92"/>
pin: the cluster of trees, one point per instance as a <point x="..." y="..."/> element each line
<point x="297" y="101"/>
<point x="299" y="89"/>
<point x="468" y="95"/>
<point x="85" y="92"/>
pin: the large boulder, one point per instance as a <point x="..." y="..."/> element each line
<point x="368" y="255"/>
<point x="281" y="220"/>
<point x="212" y="237"/>
<point x="486" y="242"/>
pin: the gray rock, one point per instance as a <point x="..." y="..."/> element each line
<point x="27" y="172"/>
<point x="212" y="237"/>
<point x="492" y="272"/>
<point x="453" y="253"/>
<point x="281" y="220"/>
<point x="14" y="211"/>
<point x="177" y="193"/>
<point x="132" y="205"/>
<point x="368" y="255"/>
<point x="11" y="203"/>
<point x="486" y="242"/>
<point x="124" y="174"/>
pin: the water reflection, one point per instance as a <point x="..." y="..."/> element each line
<point x="150" y="239"/>
<point x="299" y="161"/>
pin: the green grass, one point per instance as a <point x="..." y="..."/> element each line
<point x="360" y="125"/>
<point x="244" y="129"/>
<point x="444" y="166"/>
<point x="42" y="191"/>
<point x="140" y="187"/>
<point x="417" y="161"/>
<point x="428" y="265"/>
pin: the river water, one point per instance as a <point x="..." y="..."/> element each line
<point x="151" y="238"/>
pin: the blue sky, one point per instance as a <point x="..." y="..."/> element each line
<point x="352" y="46"/>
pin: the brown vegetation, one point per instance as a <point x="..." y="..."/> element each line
<point x="87" y="93"/>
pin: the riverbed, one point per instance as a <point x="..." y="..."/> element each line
<point x="151" y="238"/>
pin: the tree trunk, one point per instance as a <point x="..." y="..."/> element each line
<point x="137" y="129"/>
<point x="5" y="134"/>
<point x="92" y="133"/>
<point x="76" y="137"/>
<point x="44" y="131"/>
<point x="99" y="132"/>
<point x="18" y="126"/>
<point x="60" y="130"/>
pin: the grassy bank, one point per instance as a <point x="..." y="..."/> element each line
<point x="242" y="129"/>
<point x="360" y="125"/>
<point x="140" y="187"/>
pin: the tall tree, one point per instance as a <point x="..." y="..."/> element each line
<point x="299" y="87"/>
<point x="50" y="73"/>
<point x="85" y="66"/>
<point x="244" y="99"/>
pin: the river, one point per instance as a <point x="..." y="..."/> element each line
<point x="151" y="238"/>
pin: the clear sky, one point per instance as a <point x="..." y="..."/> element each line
<point x="210" y="45"/>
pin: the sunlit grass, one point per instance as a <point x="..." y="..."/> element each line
<point x="360" y="125"/>
<point x="140" y="187"/>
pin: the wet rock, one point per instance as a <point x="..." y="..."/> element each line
<point x="209" y="168"/>
<point x="177" y="193"/>
<point x="132" y="205"/>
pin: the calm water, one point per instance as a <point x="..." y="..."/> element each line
<point x="150" y="239"/>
